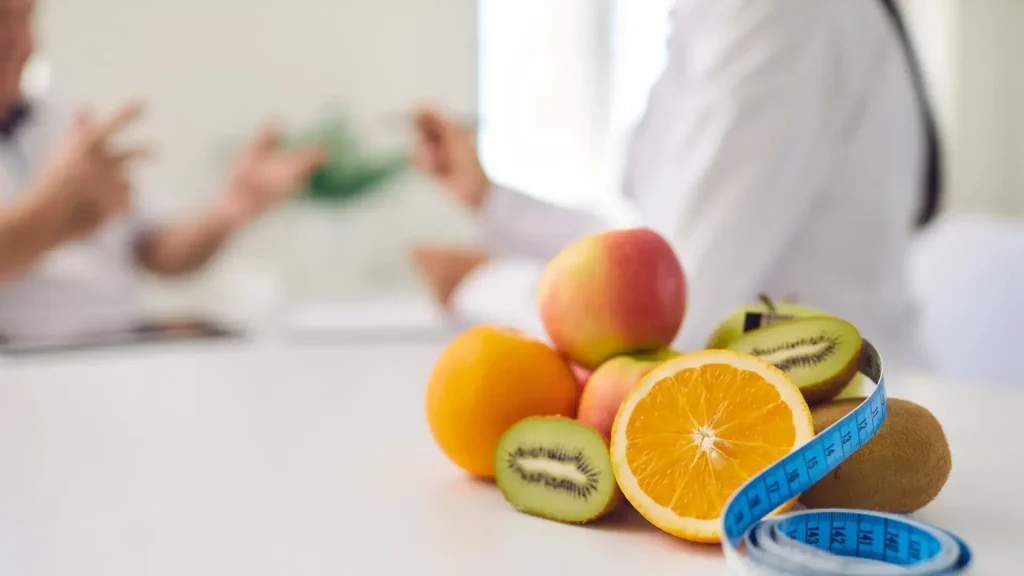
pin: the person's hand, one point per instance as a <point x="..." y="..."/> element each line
<point x="446" y="151"/>
<point x="85" y="183"/>
<point x="444" y="267"/>
<point x="264" y="174"/>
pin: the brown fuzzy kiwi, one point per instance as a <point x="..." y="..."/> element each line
<point x="900" y="470"/>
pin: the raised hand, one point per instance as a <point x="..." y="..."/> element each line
<point x="446" y="151"/>
<point x="264" y="174"/>
<point x="85" y="182"/>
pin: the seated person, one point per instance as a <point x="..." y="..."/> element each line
<point x="71" y="243"/>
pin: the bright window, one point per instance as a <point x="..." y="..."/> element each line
<point x="638" y="36"/>
<point x="561" y="86"/>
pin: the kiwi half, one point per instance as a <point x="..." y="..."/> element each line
<point x="556" y="468"/>
<point x="820" y="354"/>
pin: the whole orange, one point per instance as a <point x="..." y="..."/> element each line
<point x="486" y="380"/>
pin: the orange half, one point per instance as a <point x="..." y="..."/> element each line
<point x="695" y="429"/>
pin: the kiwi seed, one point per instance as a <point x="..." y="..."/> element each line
<point x="899" y="470"/>
<point x="556" y="468"/>
<point x="820" y="354"/>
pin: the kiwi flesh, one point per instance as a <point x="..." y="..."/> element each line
<point x="556" y="468"/>
<point x="820" y="354"/>
<point x="901" y="469"/>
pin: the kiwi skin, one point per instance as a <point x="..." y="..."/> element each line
<point x="615" y="499"/>
<point x="900" y="470"/>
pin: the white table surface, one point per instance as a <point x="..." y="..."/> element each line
<point x="266" y="458"/>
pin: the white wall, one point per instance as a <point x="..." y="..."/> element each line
<point x="212" y="69"/>
<point x="972" y="55"/>
<point x="989" y="173"/>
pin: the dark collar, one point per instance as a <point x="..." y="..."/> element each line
<point x="14" y="118"/>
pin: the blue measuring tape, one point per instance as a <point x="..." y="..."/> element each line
<point x="831" y="542"/>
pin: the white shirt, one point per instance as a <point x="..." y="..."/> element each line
<point x="80" y="287"/>
<point x="782" y="151"/>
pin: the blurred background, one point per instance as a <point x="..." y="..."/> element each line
<point x="576" y="71"/>
<point x="211" y="71"/>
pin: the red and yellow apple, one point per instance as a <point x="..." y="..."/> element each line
<point x="613" y="293"/>
<point x="609" y="384"/>
<point x="582" y="374"/>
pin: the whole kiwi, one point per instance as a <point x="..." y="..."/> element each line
<point x="900" y="470"/>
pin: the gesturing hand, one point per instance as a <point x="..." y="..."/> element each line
<point x="446" y="151"/>
<point x="85" y="182"/>
<point x="264" y="174"/>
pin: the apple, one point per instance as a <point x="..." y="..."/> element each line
<point x="612" y="293"/>
<point x="609" y="384"/>
<point x="582" y="374"/>
<point x="732" y="327"/>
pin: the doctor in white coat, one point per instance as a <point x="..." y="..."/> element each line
<point x="787" y="148"/>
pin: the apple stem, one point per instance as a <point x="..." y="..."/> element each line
<point x="768" y="302"/>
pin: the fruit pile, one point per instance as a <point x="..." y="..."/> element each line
<point x="609" y="411"/>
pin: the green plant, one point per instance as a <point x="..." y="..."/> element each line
<point x="351" y="171"/>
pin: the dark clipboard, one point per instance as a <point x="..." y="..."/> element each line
<point x="148" y="332"/>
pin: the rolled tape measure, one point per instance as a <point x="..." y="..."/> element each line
<point x="830" y="542"/>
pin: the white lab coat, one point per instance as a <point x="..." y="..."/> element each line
<point x="85" y="286"/>
<point x="782" y="151"/>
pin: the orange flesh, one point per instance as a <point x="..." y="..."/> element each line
<point x="693" y="440"/>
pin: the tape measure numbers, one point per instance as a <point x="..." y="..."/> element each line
<point x="830" y="542"/>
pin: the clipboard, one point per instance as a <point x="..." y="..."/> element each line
<point x="147" y="332"/>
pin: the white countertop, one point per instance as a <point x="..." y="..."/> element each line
<point x="266" y="458"/>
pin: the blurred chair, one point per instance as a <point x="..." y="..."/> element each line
<point x="968" y="272"/>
